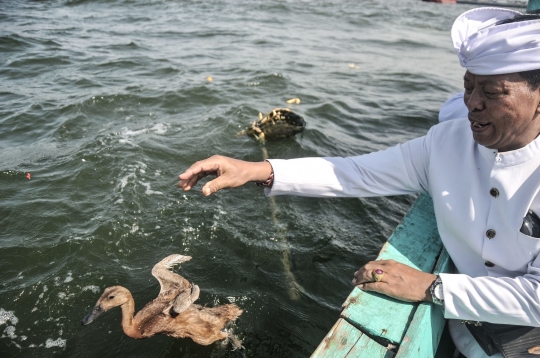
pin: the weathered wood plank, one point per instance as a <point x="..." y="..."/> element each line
<point x="416" y="243"/>
<point x="343" y="339"/>
<point x="425" y="330"/>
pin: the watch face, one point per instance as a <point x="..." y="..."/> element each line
<point x="439" y="292"/>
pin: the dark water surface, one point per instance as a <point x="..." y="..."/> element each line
<point x="105" y="102"/>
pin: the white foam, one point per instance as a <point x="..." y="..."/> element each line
<point x="68" y="278"/>
<point x="125" y="132"/>
<point x="58" y="343"/>
<point x="159" y="128"/>
<point x="142" y="165"/>
<point x="148" y="190"/>
<point x="10" y="332"/>
<point x="7" y="316"/>
<point x="125" y="141"/>
<point x="92" y="288"/>
<point x="124" y="180"/>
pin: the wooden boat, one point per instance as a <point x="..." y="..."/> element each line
<point x="498" y="3"/>
<point x="372" y="325"/>
<point x="519" y="4"/>
<point x="533" y="7"/>
<point x="442" y="1"/>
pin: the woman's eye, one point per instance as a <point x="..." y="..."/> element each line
<point x="111" y="297"/>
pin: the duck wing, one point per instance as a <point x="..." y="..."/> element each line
<point x="171" y="283"/>
<point x="184" y="300"/>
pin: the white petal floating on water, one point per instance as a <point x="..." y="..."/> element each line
<point x="294" y="100"/>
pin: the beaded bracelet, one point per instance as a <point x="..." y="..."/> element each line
<point x="268" y="183"/>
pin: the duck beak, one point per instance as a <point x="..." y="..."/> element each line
<point x="95" y="313"/>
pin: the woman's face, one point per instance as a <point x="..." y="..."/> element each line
<point x="503" y="111"/>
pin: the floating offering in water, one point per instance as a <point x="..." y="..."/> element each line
<point x="277" y="124"/>
<point x="209" y="79"/>
<point x="28" y="176"/>
<point x="294" y="100"/>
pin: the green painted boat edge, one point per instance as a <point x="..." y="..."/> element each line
<point x="416" y="243"/>
<point x="344" y="340"/>
<point x="425" y="330"/>
<point x="533" y="6"/>
<point x="421" y="324"/>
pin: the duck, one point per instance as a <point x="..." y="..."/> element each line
<point x="172" y="312"/>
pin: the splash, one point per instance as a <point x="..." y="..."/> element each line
<point x="127" y="134"/>
<point x="93" y="288"/>
<point x="69" y="278"/>
<point x="148" y="190"/>
<point x="6" y="316"/>
<point x="61" y="343"/>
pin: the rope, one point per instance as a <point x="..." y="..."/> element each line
<point x="294" y="287"/>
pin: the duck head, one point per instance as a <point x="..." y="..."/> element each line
<point x="112" y="297"/>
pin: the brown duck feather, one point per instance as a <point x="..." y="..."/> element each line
<point x="202" y="324"/>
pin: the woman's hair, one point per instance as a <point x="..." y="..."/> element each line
<point x="532" y="77"/>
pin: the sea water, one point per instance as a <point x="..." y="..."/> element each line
<point x="104" y="103"/>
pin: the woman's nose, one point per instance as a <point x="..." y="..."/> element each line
<point x="474" y="101"/>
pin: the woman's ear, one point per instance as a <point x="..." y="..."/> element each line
<point x="538" y="107"/>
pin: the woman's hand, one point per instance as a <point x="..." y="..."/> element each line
<point x="398" y="280"/>
<point x="231" y="173"/>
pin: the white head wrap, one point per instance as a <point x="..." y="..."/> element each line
<point x="485" y="48"/>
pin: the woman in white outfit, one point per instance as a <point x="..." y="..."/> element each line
<point x="482" y="172"/>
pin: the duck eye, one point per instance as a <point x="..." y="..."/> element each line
<point x="111" y="297"/>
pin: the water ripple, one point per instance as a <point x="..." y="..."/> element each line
<point x="105" y="102"/>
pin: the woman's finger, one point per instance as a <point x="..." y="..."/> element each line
<point x="374" y="286"/>
<point x="197" y="171"/>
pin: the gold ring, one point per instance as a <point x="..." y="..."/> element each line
<point x="377" y="275"/>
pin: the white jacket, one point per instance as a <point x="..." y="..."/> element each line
<point x="474" y="189"/>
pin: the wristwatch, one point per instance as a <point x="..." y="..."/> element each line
<point x="436" y="290"/>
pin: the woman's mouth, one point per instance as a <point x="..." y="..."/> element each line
<point x="478" y="126"/>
